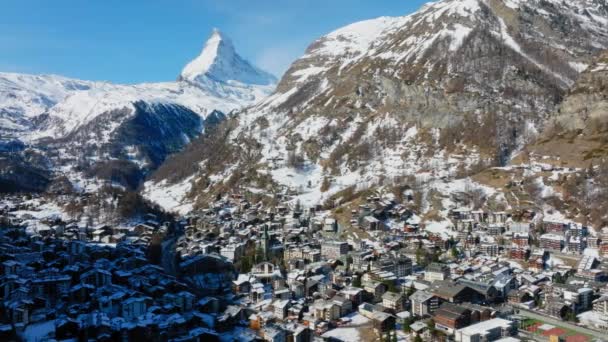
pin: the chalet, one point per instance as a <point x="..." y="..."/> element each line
<point x="558" y="309"/>
<point x="354" y="294"/>
<point x="282" y="293"/>
<point x="50" y="285"/>
<point x="330" y="225"/>
<point x="521" y="240"/>
<point x="97" y="277"/>
<point x="134" y="307"/>
<point x="538" y="260"/>
<point x="436" y="271"/>
<point x="274" y="334"/>
<point x="302" y="334"/>
<point x="519" y="297"/>
<point x="383" y="321"/>
<point x="325" y="310"/>
<point x="334" y="249"/>
<point x="456" y="293"/>
<point x="242" y="284"/>
<point x="366" y="310"/>
<point x="394" y="301"/>
<point x="345" y="304"/>
<point x="230" y="317"/>
<point x="423" y="303"/>
<point x="376" y="289"/>
<point x="450" y="317"/>
<point x="280" y="308"/>
<point x="489" y="249"/>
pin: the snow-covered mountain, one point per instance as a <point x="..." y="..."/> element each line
<point x="219" y="62"/>
<point x="23" y="97"/>
<point x="218" y="79"/>
<point x="95" y="122"/>
<point x="451" y="88"/>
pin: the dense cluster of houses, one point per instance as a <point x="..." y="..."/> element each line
<point x="243" y="271"/>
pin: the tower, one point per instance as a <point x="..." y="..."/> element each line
<point x="266" y="243"/>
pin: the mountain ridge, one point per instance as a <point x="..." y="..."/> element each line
<point x="396" y="97"/>
<point x="84" y="123"/>
<point x="219" y="61"/>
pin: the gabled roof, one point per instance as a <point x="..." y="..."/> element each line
<point x="421" y="296"/>
<point x="447" y="289"/>
<point x="393" y="296"/>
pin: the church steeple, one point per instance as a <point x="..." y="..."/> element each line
<point x="266" y="242"/>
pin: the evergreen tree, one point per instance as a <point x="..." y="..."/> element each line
<point x="356" y="281"/>
<point x="420" y="257"/>
<point x="455" y="252"/>
<point x="430" y="325"/>
<point x="259" y="255"/>
<point x="407" y="325"/>
<point x="411" y="290"/>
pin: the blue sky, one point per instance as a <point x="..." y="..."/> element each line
<point x="130" y="41"/>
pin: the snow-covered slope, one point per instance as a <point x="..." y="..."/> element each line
<point x="97" y="122"/>
<point x="436" y="94"/>
<point x="82" y="107"/>
<point x="218" y="79"/>
<point x="23" y="97"/>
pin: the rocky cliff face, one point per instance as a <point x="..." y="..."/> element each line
<point x="576" y="135"/>
<point x="586" y="104"/>
<point x="450" y="60"/>
<point x="455" y="87"/>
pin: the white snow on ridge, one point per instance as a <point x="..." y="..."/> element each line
<point x="218" y="79"/>
<point x="84" y="106"/>
<point x="220" y="62"/>
<point x="463" y="8"/>
<point x="23" y="97"/>
<point x="356" y="40"/>
<point x="35" y="93"/>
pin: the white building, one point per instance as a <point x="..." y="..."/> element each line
<point x="436" y="271"/>
<point x="487" y="331"/>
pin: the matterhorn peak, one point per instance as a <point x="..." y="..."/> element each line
<point x="218" y="61"/>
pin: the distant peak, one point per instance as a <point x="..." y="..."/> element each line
<point x="216" y="37"/>
<point x="219" y="61"/>
<point x="215" y="32"/>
